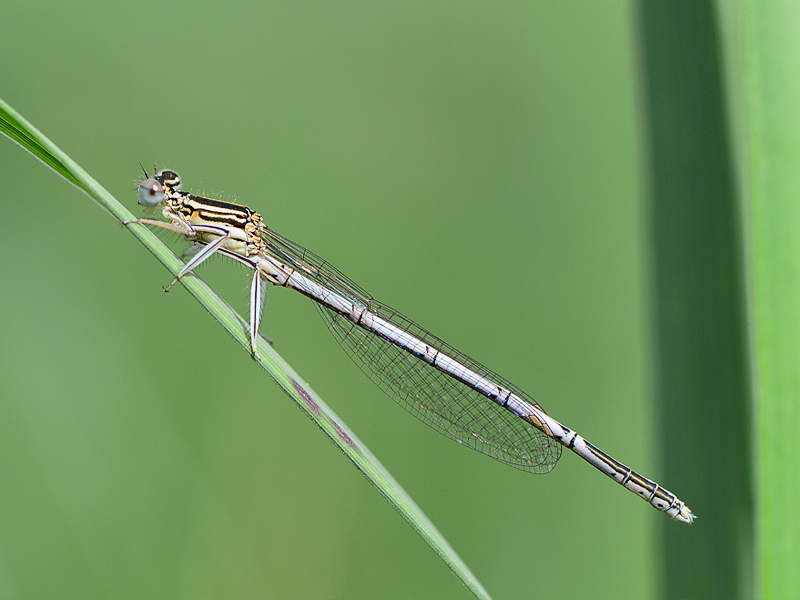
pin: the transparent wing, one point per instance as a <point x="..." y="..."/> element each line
<point x="446" y="404"/>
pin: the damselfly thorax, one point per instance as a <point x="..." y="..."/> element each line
<point x="227" y="227"/>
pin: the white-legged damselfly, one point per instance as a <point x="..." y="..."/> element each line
<point x="439" y="385"/>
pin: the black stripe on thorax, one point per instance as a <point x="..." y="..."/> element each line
<point x="218" y="211"/>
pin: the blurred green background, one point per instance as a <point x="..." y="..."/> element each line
<point x="477" y="166"/>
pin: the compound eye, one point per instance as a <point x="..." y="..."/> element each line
<point x="169" y="178"/>
<point x="151" y="193"/>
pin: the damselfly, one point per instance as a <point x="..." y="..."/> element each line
<point x="439" y="385"/>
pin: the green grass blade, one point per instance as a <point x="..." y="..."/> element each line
<point x="764" y="47"/>
<point x="702" y="371"/>
<point x="19" y="130"/>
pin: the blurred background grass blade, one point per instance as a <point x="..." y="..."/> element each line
<point x="26" y="135"/>
<point x="702" y="381"/>
<point x="763" y="48"/>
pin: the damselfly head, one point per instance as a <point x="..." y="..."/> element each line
<point x="154" y="190"/>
